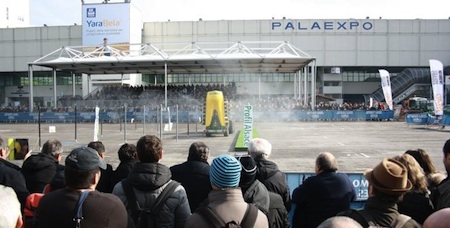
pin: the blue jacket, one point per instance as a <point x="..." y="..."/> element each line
<point x="321" y="197"/>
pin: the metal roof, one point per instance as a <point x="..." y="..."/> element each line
<point x="192" y="58"/>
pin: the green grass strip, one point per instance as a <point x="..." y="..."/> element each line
<point x="239" y="146"/>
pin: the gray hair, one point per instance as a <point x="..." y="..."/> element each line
<point x="340" y="222"/>
<point x="9" y="207"/>
<point x="326" y="162"/>
<point x="259" y="148"/>
<point x="52" y="147"/>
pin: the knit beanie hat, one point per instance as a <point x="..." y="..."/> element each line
<point x="225" y="172"/>
<point x="248" y="173"/>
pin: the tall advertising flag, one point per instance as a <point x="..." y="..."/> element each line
<point x="386" y="85"/>
<point x="437" y="81"/>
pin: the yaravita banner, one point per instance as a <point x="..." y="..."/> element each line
<point x="386" y="85"/>
<point x="110" y="21"/>
<point x="437" y="81"/>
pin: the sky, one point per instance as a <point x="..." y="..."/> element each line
<point x="68" y="12"/>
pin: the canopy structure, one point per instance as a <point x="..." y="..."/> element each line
<point x="171" y="58"/>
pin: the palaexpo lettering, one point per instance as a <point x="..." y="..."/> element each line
<point x="321" y="25"/>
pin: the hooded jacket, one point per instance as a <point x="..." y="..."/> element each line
<point x="274" y="180"/>
<point x="39" y="170"/>
<point x="268" y="202"/>
<point x="229" y="205"/>
<point x="148" y="181"/>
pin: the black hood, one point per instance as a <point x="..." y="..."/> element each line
<point x="265" y="169"/>
<point x="38" y="162"/>
<point x="149" y="176"/>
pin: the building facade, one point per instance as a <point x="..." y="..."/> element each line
<point x="348" y="54"/>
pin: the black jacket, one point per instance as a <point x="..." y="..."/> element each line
<point x="105" y="184"/>
<point x="39" y="170"/>
<point x="268" y="202"/>
<point x="122" y="171"/>
<point x="417" y="205"/>
<point x="148" y="181"/>
<point x="278" y="215"/>
<point x="14" y="179"/>
<point x="320" y="197"/>
<point x="194" y="176"/>
<point x="274" y="180"/>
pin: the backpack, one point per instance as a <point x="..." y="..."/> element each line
<point x="78" y="211"/>
<point x="30" y="209"/>
<point x="32" y="203"/>
<point x="147" y="217"/>
<point x="216" y="221"/>
<point x="399" y="222"/>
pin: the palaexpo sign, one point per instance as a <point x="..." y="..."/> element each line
<point x="322" y="25"/>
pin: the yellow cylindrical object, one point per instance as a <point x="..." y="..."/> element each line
<point x="12" y="152"/>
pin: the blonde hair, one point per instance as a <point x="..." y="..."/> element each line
<point x="415" y="172"/>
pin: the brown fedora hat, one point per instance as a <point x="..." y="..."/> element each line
<point x="390" y="177"/>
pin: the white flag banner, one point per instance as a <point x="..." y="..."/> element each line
<point x="437" y="81"/>
<point x="386" y="86"/>
<point x="96" y="124"/>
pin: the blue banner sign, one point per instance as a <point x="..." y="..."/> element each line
<point x="417" y="118"/>
<point x="194" y="116"/>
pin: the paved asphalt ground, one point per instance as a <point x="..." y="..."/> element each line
<point x="357" y="145"/>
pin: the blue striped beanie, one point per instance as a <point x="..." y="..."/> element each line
<point x="225" y="172"/>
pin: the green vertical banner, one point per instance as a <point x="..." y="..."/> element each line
<point x="248" y="125"/>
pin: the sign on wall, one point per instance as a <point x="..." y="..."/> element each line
<point x="110" y="21"/>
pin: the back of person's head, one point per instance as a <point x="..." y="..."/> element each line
<point x="259" y="148"/>
<point x="439" y="219"/>
<point x="52" y="147"/>
<point x="340" y="222"/>
<point x="389" y="179"/>
<point x="10" y="213"/>
<point x="225" y="172"/>
<point x="127" y="152"/>
<point x="97" y="146"/>
<point x="248" y="172"/>
<point x="326" y="162"/>
<point x="423" y="159"/>
<point x="198" y="151"/>
<point x="415" y="172"/>
<point x="2" y="143"/>
<point x="3" y="148"/>
<point x="446" y="148"/>
<point x="82" y="164"/>
<point x="149" y="149"/>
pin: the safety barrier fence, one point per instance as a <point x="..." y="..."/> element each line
<point x="427" y="119"/>
<point x="195" y="116"/>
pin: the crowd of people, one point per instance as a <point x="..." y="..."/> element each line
<point x="112" y="98"/>
<point x="247" y="190"/>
